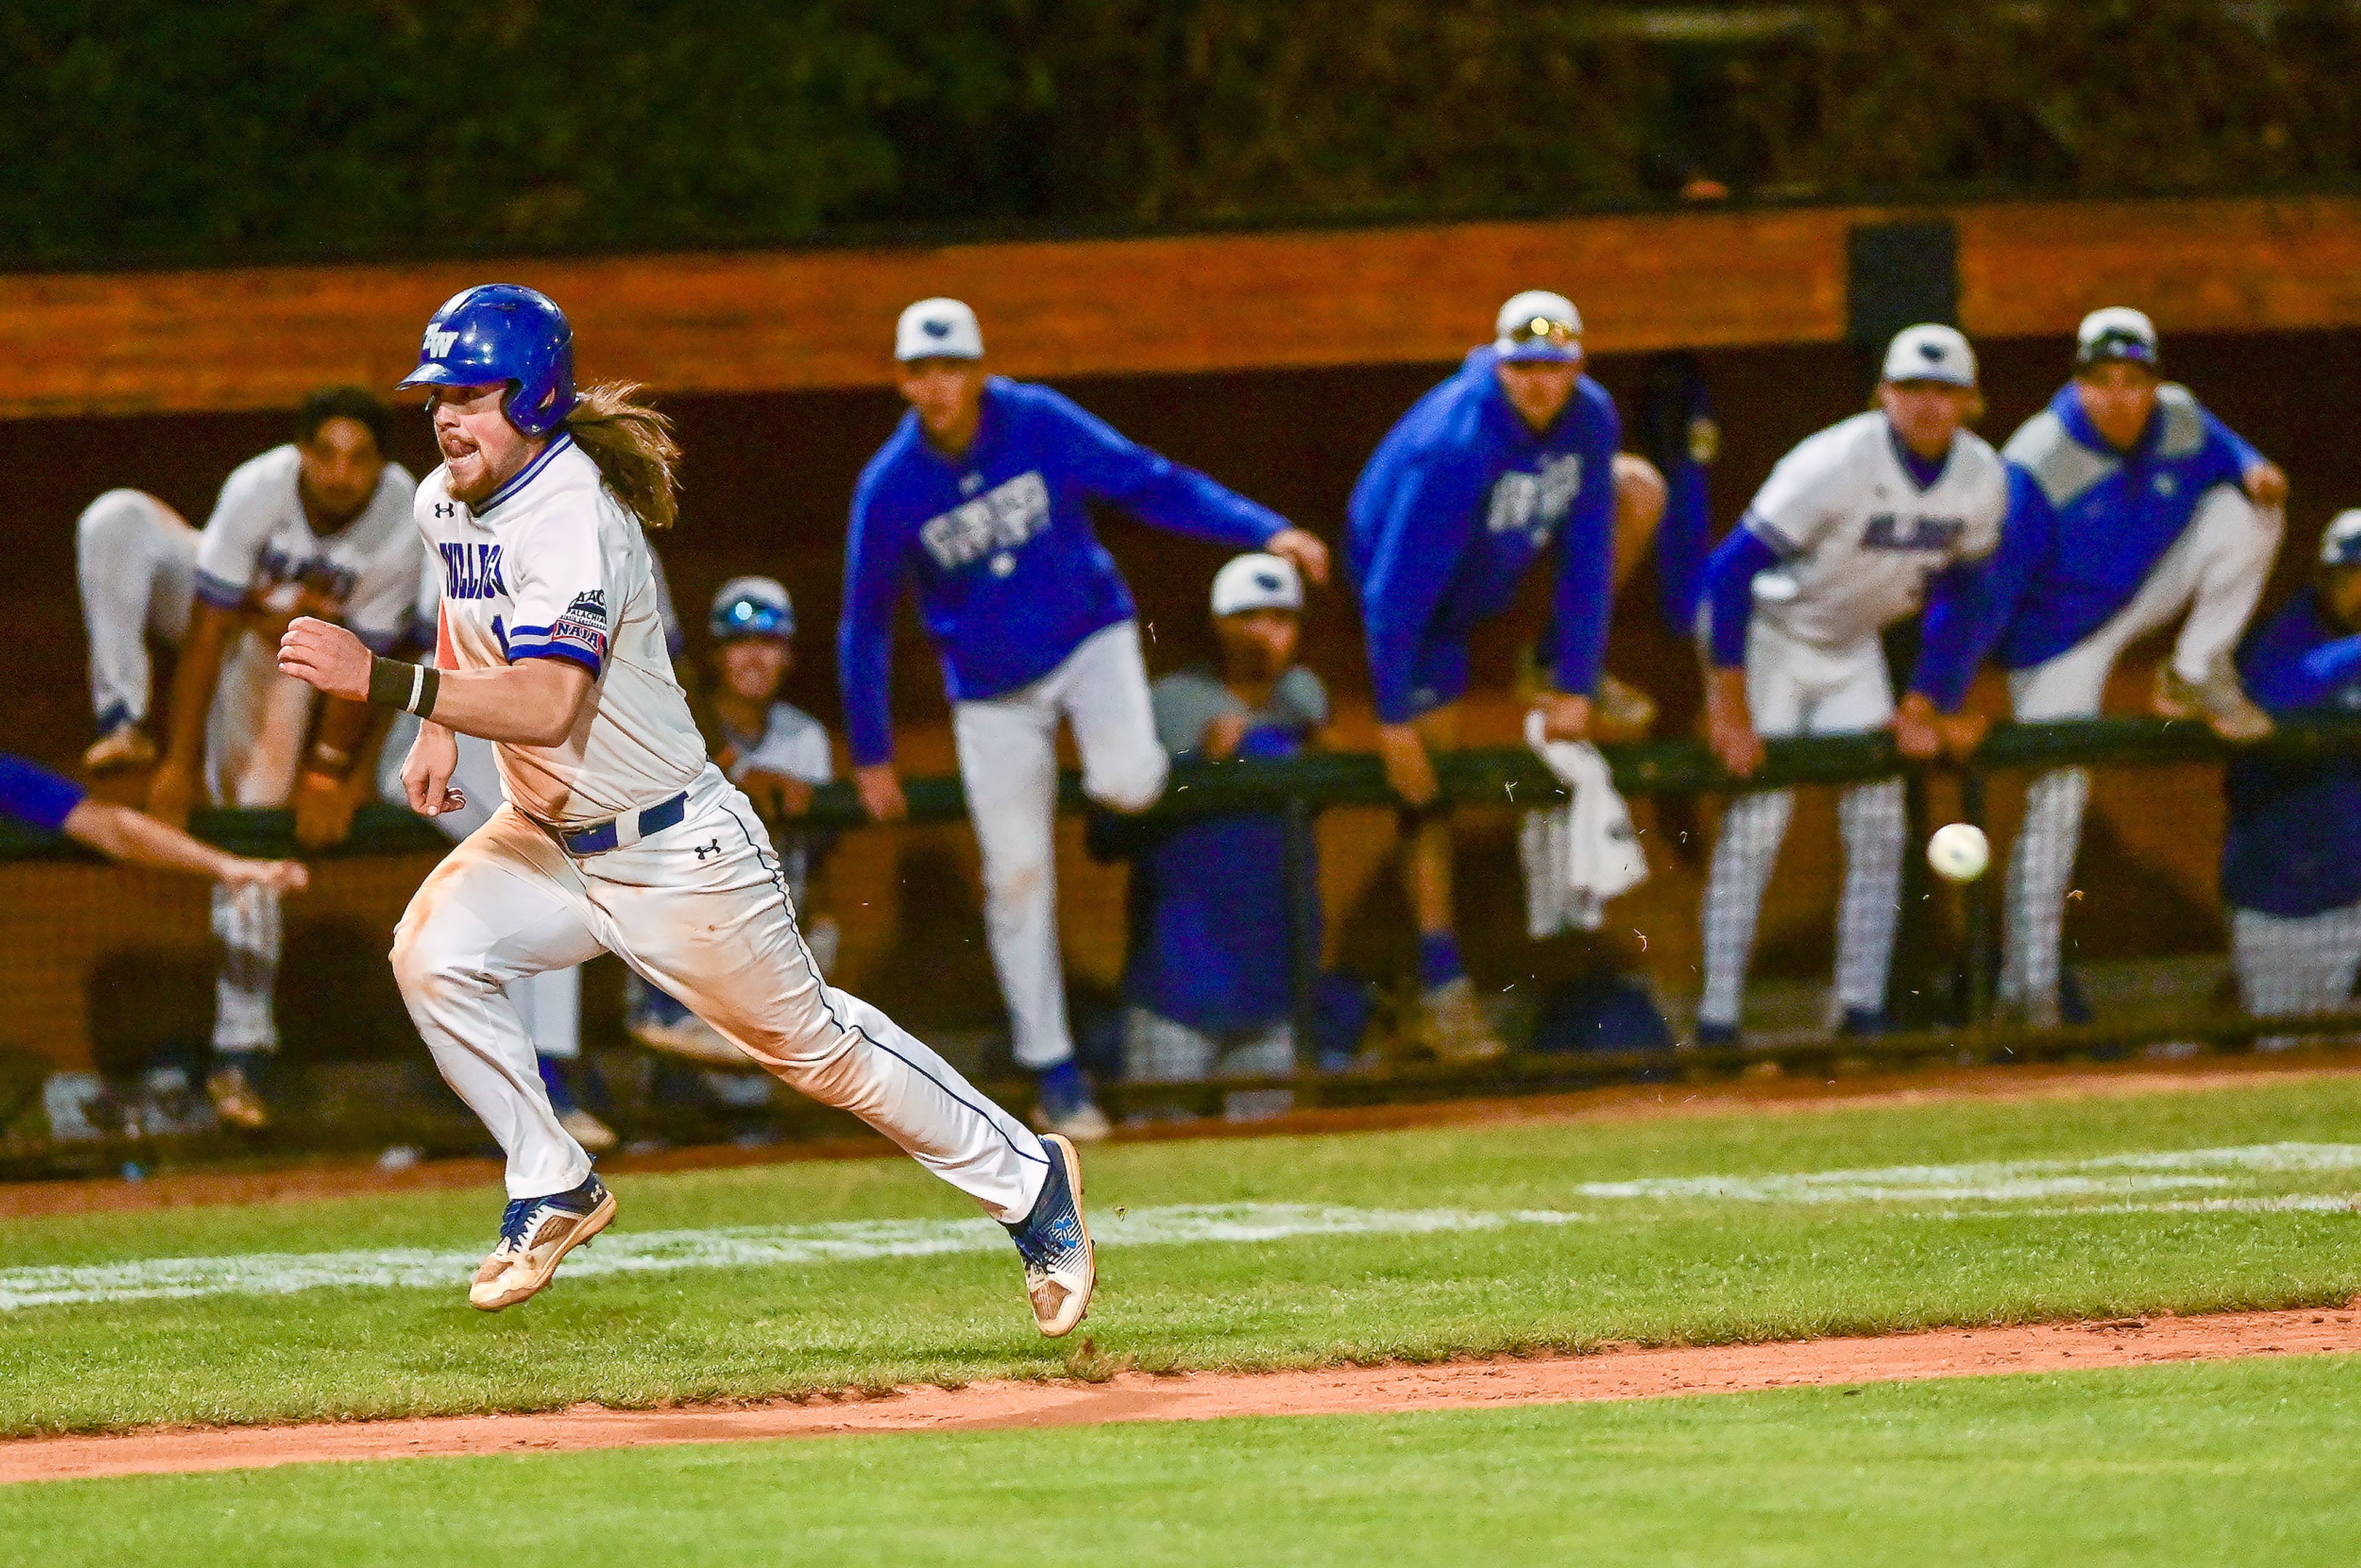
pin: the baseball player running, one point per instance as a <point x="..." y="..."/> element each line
<point x="1515" y="452"/>
<point x="618" y="834"/>
<point x="2128" y="503"/>
<point x="2292" y="858"/>
<point x="319" y="527"/>
<point x="1843" y="540"/>
<point x="980" y="497"/>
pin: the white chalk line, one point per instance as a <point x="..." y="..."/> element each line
<point x="2175" y="1181"/>
<point x="752" y="1246"/>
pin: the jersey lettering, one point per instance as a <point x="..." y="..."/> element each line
<point x="324" y="578"/>
<point x="473" y="572"/>
<point x="1002" y="518"/>
<point x="1537" y="502"/>
<point x="1887" y="531"/>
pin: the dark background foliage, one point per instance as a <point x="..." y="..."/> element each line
<point x="137" y="130"/>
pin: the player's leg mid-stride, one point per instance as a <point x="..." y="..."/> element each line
<point x="618" y="834"/>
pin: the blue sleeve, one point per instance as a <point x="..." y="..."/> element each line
<point x="1585" y="565"/>
<point x="1951" y="640"/>
<point x="1151" y="486"/>
<point x="2228" y="449"/>
<point x="37" y="795"/>
<point x="1682" y="544"/>
<point x="1728" y="590"/>
<point x="1425" y="513"/>
<point x="873" y="568"/>
<point x="2311" y="681"/>
<point x="2028" y="536"/>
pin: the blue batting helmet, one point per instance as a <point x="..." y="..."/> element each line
<point x="503" y="331"/>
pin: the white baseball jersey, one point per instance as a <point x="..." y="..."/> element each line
<point x="554" y="567"/>
<point x="1856" y="536"/>
<point x="258" y="548"/>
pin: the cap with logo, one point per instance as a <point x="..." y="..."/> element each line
<point x="752" y="607"/>
<point x="1930" y="352"/>
<point x="1257" y="582"/>
<point x="1538" y="324"/>
<point x="497" y="333"/>
<point x="937" y="329"/>
<point x="2341" y="546"/>
<point x="2116" y="332"/>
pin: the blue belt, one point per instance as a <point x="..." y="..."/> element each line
<point x="623" y="831"/>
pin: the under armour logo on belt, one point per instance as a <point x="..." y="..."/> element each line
<point x="446" y="509"/>
<point x="705" y="850"/>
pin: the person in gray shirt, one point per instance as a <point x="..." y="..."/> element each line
<point x="1208" y="981"/>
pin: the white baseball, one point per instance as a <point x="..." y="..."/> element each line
<point x="1959" y="852"/>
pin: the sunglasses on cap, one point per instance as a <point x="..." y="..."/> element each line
<point x="2115" y="344"/>
<point x="1540" y="329"/>
<point x="752" y="618"/>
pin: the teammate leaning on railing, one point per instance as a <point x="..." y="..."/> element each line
<point x="2292" y="857"/>
<point x="1843" y="540"/>
<point x="55" y="804"/>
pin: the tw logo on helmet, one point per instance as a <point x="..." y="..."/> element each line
<point x="439" y="343"/>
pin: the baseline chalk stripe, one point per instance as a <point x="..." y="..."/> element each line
<point x="2169" y="1181"/>
<point x="754" y="1246"/>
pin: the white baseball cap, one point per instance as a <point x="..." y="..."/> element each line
<point x="1538" y="324"/>
<point x="751" y="606"/>
<point x="1929" y="352"/>
<point x="2341" y="546"/>
<point x="937" y="329"/>
<point x="2116" y="332"/>
<point x="1257" y="582"/>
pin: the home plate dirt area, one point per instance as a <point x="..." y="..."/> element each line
<point x="1613" y="1373"/>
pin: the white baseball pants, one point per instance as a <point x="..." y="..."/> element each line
<point x="137" y="563"/>
<point x="1795" y="688"/>
<point x="2215" y="571"/>
<point x="1008" y="763"/>
<point x="698" y="910"/>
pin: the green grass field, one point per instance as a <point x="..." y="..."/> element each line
<point x="2240" y="1462"/>
<point x="1230" y="1254"/>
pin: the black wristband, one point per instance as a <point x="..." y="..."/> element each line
<point x="410" y="687"/>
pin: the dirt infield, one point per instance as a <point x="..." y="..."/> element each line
<point x="1623" y="1102"/>
<point x="1613" y="1373"/>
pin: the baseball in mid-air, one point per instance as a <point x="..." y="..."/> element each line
<point x="1959" y="852"/>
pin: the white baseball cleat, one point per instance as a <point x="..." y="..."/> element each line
<point x="536" y="1236"/>
<point x="1061" y="1267"/>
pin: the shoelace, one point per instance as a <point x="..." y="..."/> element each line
<point x="1046" y="1240"/>
<point x="516" y="1219"/>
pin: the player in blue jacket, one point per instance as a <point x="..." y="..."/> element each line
<point x="980" y="499"/>
<point x="2128" y="504"/>
<point x="1513" y="454"/>
<point x="2291" y="859"/>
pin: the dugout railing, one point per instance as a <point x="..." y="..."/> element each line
<point x="1513" y="777"/>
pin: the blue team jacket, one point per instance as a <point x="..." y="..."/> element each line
<point x="2087" y="523"/>
<point x="1454" y="505"/>
<point x="2294" y="846"/>
<point x="1010" y="577"/>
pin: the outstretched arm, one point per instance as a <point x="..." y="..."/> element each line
<point x="122" y="834"/>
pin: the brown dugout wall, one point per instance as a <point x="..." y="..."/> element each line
<point x="1275" y="364"/>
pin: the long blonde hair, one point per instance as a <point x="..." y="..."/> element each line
<point x="633" y="446"/>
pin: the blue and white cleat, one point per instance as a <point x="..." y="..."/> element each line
<point x="1062" y="1267"/>
<point x="536" y="1236"/>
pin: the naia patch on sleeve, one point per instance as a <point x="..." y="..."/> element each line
<point x="584" y="624"/>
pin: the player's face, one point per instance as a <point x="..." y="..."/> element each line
<point x="753" y="667"/>
<point x="1538" y="389"/>
<point x="2118" y="396"/>
<point x="338" y="468"/>
<point x="480" y="448"/>
<point x="1926" y="415"/>
<point x="949" y="396"/>
<point x="1257" y="644"/>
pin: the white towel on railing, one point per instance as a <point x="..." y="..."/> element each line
<point x="1579" y="855"/>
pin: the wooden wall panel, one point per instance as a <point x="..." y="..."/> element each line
<point x="257" y="338"/>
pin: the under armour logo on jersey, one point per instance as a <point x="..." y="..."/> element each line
<point x="705" y="850"/>
<point x="472" y="572"/>
<point x="446" y="509"/>
<point x="439" y="343"/>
